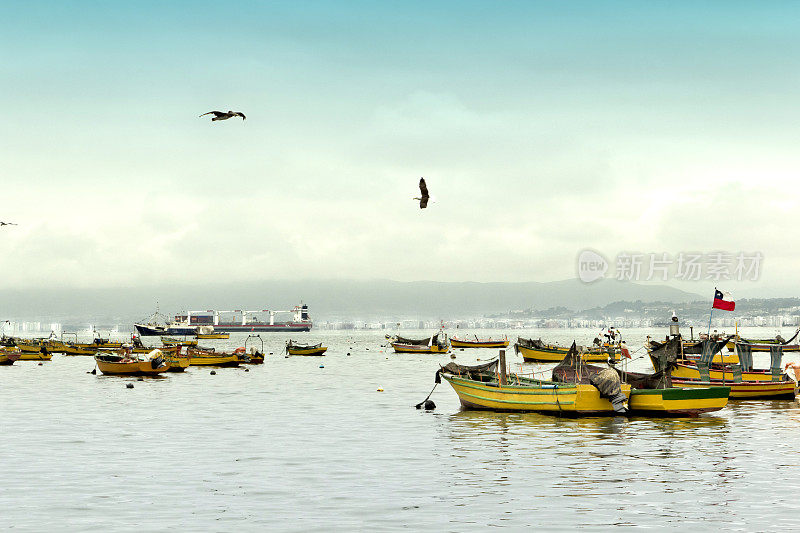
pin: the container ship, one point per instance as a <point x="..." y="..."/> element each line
<point x="190" y="322"/>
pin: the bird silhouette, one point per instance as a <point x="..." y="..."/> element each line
<point x="423" y="190"/>
<point x="221" y="115"/>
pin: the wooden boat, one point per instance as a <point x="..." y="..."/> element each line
<point x="213" y="336"/>
<point x="71" y="349"/>
<point x="745" y="389"/>
<point x="293" y="348"/>
<point x="8" y="356"/>
<point x="478" y="343"/>
<point x="744" y="381"/>
<point x="171" y="341"/>
<point x="128" y="364"/>
<point x="651" y="394"/>
<point x="536" y="351"/>
<point x="254" y="356"/>
<point x="205" y="358"/>
<point x="483" y="387"/>
<point x="41" y="355"/>
<point x="437" y="343"/>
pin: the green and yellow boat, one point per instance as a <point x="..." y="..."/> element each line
<point x="293" y="348"/>
<point x="435" y="344"/>
<point x="536" y="351"/>
<point x="478" y="343"/>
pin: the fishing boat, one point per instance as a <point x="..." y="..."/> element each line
<point x="8" y="356"/>
<point x="171" y="341"/>
<point x="126" y="363"/>
<point x="744" y="381"/>
<point x="293" y="348"/>
<point x="536" y="351"/>
<point x="217" y="335"/>
<point x="72" y="349"/>
<point x="437" y="343"/>
<point x="198" y="357"/>
<point x="478" y="343"/>
<point x="487" y="387"/>
<point x="254" y="356"/>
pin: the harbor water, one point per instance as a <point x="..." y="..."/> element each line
<point x="311" y="444"/>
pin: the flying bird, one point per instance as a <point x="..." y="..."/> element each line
<point x="423" y="190"/>
<point x="221" y="115"/>
<point x="8" y="224"/>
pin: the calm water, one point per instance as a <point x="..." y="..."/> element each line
<point x="290" y="446"/>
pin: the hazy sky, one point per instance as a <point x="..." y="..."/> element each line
<point x="542" y="128"/>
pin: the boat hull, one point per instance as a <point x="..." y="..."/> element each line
<point x="213" y="335"/>
<point x="746" y="390"/>
<point x="306" y="351"/>
<point x="178" y="364"/>
<point x="7" y="359"/>
<point x="689" y="402"/>
<point x="418" y="348"/>
<point x="548" y="397"/>
<point x="455" y="343"/>
<point x="555" y="355"/>
<point x="35" y="356"/>
<point x="213" y="360"/>
<point x="133" y="368"/>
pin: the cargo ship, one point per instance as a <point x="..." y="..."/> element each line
<point x="190" y="322"/>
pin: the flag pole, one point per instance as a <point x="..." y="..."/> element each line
<point x="711" y="315"/>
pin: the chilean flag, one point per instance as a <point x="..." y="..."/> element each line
<point x="720" y="303"/>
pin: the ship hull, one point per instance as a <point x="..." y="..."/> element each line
<point x="286" y="326"/>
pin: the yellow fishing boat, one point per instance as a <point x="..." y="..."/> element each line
<point x="305" y="349"/>
<point x="437" y="343"/>
<point x="8" y="356"/>
<point x="29" y="345"/>
<point x="746" y="390"/>
<point x="171" y="341"/>
<point x="35" y="356"/>
<point x="71" y="349"/>
<point x="213" y="336"/>
<point x="535" y="351"/>
<point x="744" y="381"/>
<point x="478" y="343"/>
<point x="684" y="401"/>
<point x="205" y="358"/>
<point x="482" y="387"/>
<point x="128" y="364"/>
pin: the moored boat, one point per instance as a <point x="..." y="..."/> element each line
<point x="218" y="335"/>
<point x="536" y="351"/>
<point x="126" y="363"/>
<point x="484" y="387"/>
<point x="199" y="357"/>
<point x="8" y="356"/>
<point x="293" y="348"/>
<point x="437" y="343"/>
<point x="478" y="343"/>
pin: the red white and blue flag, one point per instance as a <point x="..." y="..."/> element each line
<point x="721" y="303"/>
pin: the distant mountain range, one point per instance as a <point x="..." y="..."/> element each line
<point x="328" y="299"/>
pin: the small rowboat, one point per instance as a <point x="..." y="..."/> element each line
<point x="213" y="336"/>
<point x="7" y="357"/>
<point x="305" y="349"/>
<point x="36" y="356"/>
<point x="478" y="343"/>
<point x="535" y="351"/>
<point x="74" y="349"/>
<point x="437" y="343"/>
<point x="128" y="365"/>
<point x="171" y="341"/>
<point x="205" y="358"/>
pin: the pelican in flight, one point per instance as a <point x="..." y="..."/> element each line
<point x="221" y="115"/>
<point x="423" y="190"/>
<point x="8" y="224"/>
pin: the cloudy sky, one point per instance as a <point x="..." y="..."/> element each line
<point x="543" y="128"/>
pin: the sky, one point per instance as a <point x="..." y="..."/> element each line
<point x="542" y="128"/>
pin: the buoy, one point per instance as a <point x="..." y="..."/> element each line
<point x="247" y="370"/>
<point x="140" y="379"/>
<point x="462" y="349"/>
<point x="213" y="372"/>
<point x="478" y="359"/>
<point x="367" y="349"/>
<point x="429" y="405"/>
<point x="322" y="366"/>
<point x="380" y="389"/>
<point x="452" y="356"/>
<point x="270" y="353"/>
<point x="348" y="353"/>
<point x="286" y="357"/>
<point x="129" y="385"/>
<point x="40" y="364"/>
